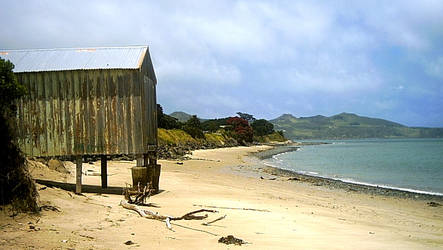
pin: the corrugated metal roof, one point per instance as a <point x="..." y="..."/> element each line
<point x="36" y="60"/>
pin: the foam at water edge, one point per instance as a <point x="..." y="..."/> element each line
<point x="347" y="180"/>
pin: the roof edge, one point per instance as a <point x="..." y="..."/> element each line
<point x="77" y="48"/>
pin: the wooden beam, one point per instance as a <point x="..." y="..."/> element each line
<point x="156" y="177"/>
<point x="104" y="171"/>
<point x="78" y="174"/>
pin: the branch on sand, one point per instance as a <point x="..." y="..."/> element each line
<point x="210" y="222"/>
<point x="234" y="208"/>
<point x="167" y="219"/>
<point x="138" y="196"/>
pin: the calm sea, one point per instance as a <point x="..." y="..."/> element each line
<point x="408" y="164"/>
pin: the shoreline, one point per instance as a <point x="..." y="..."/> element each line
<point x="371" y="189"/>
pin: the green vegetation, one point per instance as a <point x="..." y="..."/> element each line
<point x="214" y="125"/>
<point x="229" y="131"/>
<point x="193" y="127"/>
<point x="348" y="126"/>
<point x="166" y="121"/>
<point x="270" y="138"/>
<point x="174" y="137"/>
<point x="262" y="127"/>
<point x="248" y="117"/>
<point x="239" y="129"/>
<point x="16" y="185"/>
<point x="219" y="139"/>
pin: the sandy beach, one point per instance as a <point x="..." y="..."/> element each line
<point x="266" y="210"/>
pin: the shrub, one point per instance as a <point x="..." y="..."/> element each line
<point x="262" y="127"/>
<point x="16" y="185"/>
<point x="241" y="131"/>
<point x="166" y="121"/>
<point x="193" y="127"/>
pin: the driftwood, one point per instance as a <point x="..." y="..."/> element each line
<point x="138" y="196"/>
<point x="210" y="222"/>
<point x="234" y="208"/>
<point x="167" y="219"/>
<point x="195" y="229"/>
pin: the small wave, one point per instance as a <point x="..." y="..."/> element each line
<point x="307" y="173"/>
<point x="352" y="181"/>
<point x="280" y="154"/>
<point x="276" y="156"/>
<point x="411" y="190"/>
<point x="338" y="143"/>
<point x="348" y="180"/>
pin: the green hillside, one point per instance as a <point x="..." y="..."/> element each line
<point x="181" y="116"/>
<point x="348" y="126"/>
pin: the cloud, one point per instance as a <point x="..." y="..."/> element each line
<point x="198" y="72"/>
<point x="435" y="68"/>
<point x="267" y="57"/>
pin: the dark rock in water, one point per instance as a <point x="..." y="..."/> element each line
<point x="230" y="239"/>
<point x="433" y="204"/>
<point x="58" y="166"/>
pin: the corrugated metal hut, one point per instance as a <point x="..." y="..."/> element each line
<point x="87" y="101"/>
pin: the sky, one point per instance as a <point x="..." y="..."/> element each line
<point x="374" y="58"/>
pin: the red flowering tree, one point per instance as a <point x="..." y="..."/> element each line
<point x="241" y="131"/>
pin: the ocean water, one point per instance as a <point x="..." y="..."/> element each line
<point x="407" y="164"/>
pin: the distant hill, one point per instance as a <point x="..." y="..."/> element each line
<point x="348" y="126"/>
<point x="181" y="116"/>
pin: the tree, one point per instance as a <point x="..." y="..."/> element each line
<point x="166" y="121"/>
<point x="241" y="131"/>
<point x="193" y="127"/>
<point x="262" y="127"/>
<point x="249" y="118"/>
<point x="213" y="125"/>
<point x="16" y="185"/>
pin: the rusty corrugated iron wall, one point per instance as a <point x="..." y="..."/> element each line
<point x="88" y="112"/>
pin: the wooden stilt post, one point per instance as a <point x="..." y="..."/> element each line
<point x="104" y="171"/>
<point x="78" y="174"/>
<point x="139" y="174"/>
<point x="153" y="170"/>
<point x="147" y="169"/>
<point x="139" y="161"/>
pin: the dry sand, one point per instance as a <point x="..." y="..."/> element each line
<point x="295" y="215"/>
